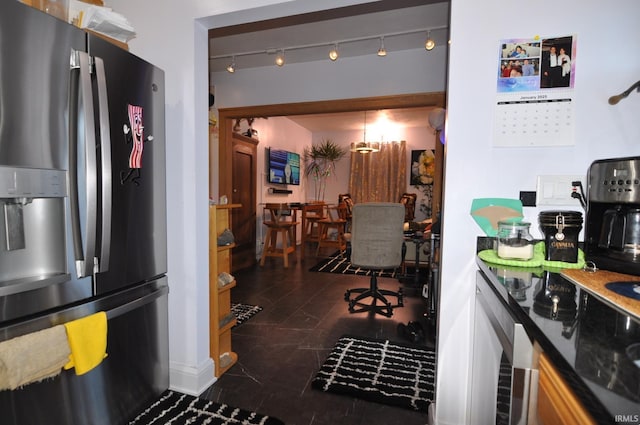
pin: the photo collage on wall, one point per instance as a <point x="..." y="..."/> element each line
<point x="535" y="83"/>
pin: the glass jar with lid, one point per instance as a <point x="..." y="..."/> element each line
<point x="514" y="240"/>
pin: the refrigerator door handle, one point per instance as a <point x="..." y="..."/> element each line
<point x="82" y="115"/>
<point x="105" y="154"/>
<point x="137" y="303"/>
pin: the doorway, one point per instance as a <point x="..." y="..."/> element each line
<point x="243" y="176"/>
<point x="228" y="156"/>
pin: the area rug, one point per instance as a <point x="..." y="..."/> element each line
<point x="244" y="312"/>
<point x="176" y="409"/>
<point x="339" y="264"/>
<point x="380" y="371"/>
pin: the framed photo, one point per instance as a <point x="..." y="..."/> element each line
<point x="423" y="167"/>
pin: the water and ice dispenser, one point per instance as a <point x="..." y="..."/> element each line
<point x="32" y="226"/>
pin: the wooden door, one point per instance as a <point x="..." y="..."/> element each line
<point x="243" y="175"/>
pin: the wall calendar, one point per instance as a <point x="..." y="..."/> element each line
<point x="534" y="102"/>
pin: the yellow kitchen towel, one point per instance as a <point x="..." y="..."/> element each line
<point x="33" y="357"/>
<point x="88" y="342"/>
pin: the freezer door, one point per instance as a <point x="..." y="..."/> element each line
<point x="135" y="371"/>
<point x="137" y="234"/>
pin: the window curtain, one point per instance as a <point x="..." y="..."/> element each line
<point x="379" y="176"/>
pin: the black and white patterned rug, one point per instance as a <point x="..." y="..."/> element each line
<point x="341" y="265"/>
<point x="176" y="409"/>
<point x="244" y="312"/>
<point x="381" y="371"/>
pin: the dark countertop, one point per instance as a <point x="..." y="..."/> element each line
<point x="585" y="338"/>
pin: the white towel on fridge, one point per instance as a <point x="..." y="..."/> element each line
<point x="33" y="357"/>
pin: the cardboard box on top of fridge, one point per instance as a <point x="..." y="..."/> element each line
<point x="89" y="15"/>
<point x="57" y="8"/>
<point x="102" y="20"/>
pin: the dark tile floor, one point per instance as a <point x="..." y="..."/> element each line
<point x="281" y="348"/>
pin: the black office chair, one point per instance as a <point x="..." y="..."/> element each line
<point x="376" y="244"/>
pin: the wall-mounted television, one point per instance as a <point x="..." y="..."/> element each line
<point x="283" y="167"/>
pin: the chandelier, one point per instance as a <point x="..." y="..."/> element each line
<point x="364" y="146"/>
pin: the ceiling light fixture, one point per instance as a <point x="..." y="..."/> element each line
<point x="333" y="53"/>
<point x="231" y="68"/>
<point x="365" y="147"/>
<point x="430" y="43"/>
<point x="280" y="58"/>
<point x="382" y="51"/>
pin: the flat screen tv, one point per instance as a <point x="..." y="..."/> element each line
<point x="284" y="167"/>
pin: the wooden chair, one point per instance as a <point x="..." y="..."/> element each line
<point x="332" y="228"/>
<point x="347" y="200"/>
<point x="280" y="222"/>
<point x="409" y="202"/>
<point x="311" y="214"/>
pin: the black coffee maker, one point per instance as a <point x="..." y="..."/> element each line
<point x="612" y="230"/>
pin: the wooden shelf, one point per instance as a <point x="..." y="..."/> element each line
<point x="226" y="247"/>
<point x="228" y="326"/>
<point x="234" y="360"/>
<point x="220" y="298"/>
<point x="227" y="287"/>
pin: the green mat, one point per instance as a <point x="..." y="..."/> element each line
<point x="538" y="260"/>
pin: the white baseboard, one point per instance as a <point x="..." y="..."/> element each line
<point x="190" y="380"/>
<point x="431" y="416"/>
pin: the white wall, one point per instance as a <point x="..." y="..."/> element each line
<point x="474" y="168"/>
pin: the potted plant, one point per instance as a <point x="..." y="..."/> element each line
<point x="320" y="162"/>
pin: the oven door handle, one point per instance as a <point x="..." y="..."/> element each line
<point x="524" y="395"/>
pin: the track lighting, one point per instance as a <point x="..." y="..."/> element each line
<point x="382" y="51"/>
<point x="231" y="68"/>
<point x="333" y="53"/>
<point x="430" y="43"/>
<point x="333" y="47"/>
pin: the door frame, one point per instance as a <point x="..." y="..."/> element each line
<point x="226" y="116"/>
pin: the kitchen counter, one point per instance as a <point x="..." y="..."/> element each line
<point x="585" y="338"/>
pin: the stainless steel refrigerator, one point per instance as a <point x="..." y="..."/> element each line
<point x="82" y="213"/>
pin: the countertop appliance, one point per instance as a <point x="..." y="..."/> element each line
<point x="83" y="213"/>
<point x="612" y="231"/>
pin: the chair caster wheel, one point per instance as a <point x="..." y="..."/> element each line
<point x="347" y="295"/>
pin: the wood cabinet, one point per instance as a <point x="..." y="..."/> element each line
<point x="557" y="404"/>
<point x="221" y="320"/>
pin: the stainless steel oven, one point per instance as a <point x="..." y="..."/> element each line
<point x="504" y="381"/>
